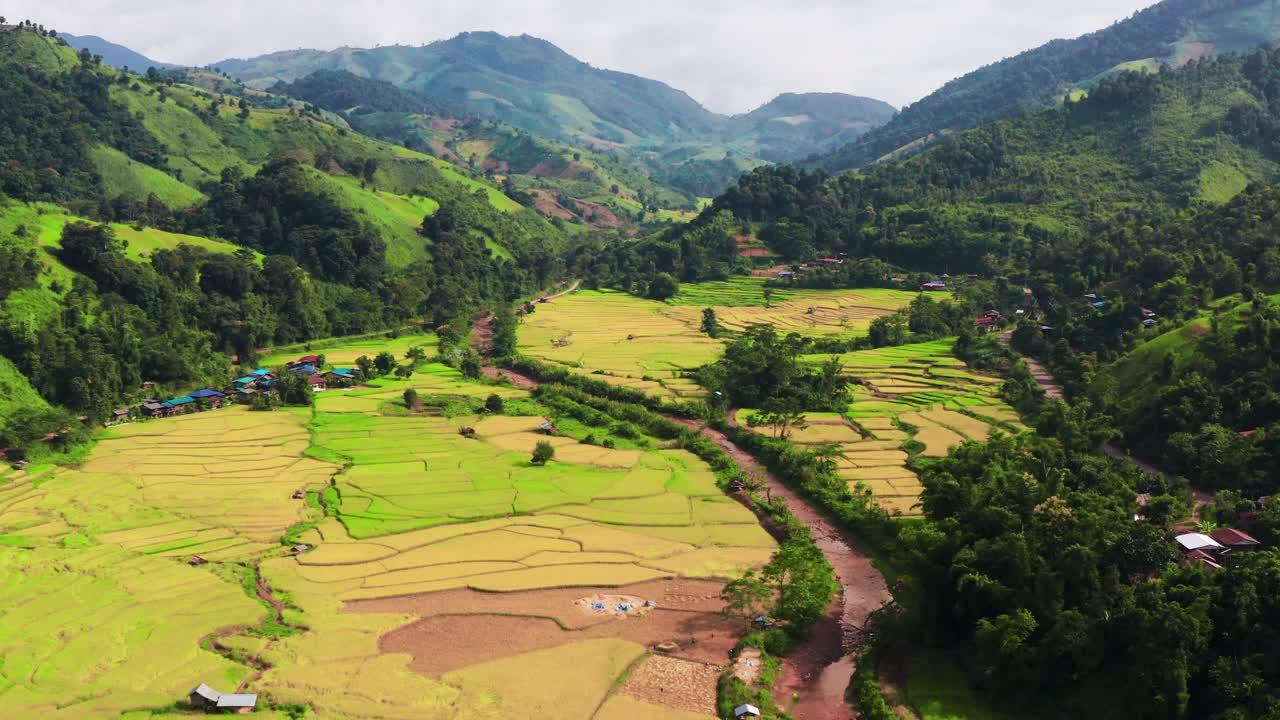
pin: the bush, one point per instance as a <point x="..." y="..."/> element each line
<point x="495" y="404"/>
<point x="543" y="453"/>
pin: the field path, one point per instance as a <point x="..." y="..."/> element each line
<point x="1053" y="391"/>
<point x="819" y="670"/>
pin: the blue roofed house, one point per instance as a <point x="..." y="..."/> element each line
<point x="180" y="405"/>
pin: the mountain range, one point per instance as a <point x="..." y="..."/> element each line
<point x="533" y="85"/>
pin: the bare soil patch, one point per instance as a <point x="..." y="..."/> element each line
<point x="676" y="683"/>
<point x="463" y="627"/>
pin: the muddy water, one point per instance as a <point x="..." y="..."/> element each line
<point x="817" y="673"/>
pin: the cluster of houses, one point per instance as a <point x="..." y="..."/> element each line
<point x="1208" y="550"/>
<point x="242" y="389"/>
<point x="1148" y="316"/>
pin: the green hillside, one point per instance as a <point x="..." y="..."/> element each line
<point x="150" y="229"/>
<point x="1171" y="33"/>
<point x="1137" y="142"/>
<point x="543" y="171"/>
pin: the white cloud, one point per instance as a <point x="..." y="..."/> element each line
<point x="731" y="56"/>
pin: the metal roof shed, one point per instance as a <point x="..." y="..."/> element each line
<point x="237" y="702"/>
<point x="746" y="711"/>
<point x="1198" y="541"/>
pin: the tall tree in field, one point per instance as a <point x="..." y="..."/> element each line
<point x="504" y="333"/>
<point x="710" y="323"/>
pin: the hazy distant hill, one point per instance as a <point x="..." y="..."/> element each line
<point x="117" y="56"/>
<point x="533" y="85"/>
<point x="1172" y="32"/>
<point x="791" y="122"/>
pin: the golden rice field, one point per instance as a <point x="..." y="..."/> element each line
<point x="590" y="331"/>
<point x="921" y="387"/>
<point x="651" y="346"/>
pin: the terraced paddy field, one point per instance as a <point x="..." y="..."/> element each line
<point x="483" y="560"/>
<point x="344" y="351"/>
<point x="103" y="614"/>
<point x="447" y="576"/>
<point x="740" y="303"/>
<point x="919" y="393"/>
<point x="651" y="346"/>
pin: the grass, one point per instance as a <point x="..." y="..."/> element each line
<point x="124" y="177"/>
<point x="143" y="242"/>
<point x="938" y="689"/>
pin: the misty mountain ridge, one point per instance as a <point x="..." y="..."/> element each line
<point x="533" y="85"/>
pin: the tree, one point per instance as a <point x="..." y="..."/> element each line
<point x="384" y="363"/>
<point x="543" y="453"/>
<point x="746" y="597"/>
<point x="504" y="328"/>
<point x="768" y="297"/>
<point x="470" y="365"/>
<point x="495" y="404"/>
<point x="888" y="331"/>
<point x="710" y="324"/>
<point x="411" y="399"/>
<point x="365" y="366"/>
<point x="663" y="287"/>
<point x="416" y="354"/>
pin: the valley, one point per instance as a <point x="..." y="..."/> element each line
<point x="469" y="380"/>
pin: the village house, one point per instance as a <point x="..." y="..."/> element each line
<point x="120" y="414"/>
<point x="318" y="383"/>
<point x="934" y="286"/>
<point x="155" y="410"/>
<point x="180" y="405"/>
<point x="746" y="711"/>
<point x="1233" y="539"/>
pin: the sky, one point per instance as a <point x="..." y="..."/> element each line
<point x="731" y="56"/>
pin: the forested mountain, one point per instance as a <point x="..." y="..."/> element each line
<point x="1170" y="33"/>
<point x="570" y="183"/>
<point x="1003" y="194"/>
<point x="117" y="56"/>
<point x="532" y="85"/>
<point x="150" y="229"/>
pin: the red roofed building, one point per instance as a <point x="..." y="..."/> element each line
<point x="1235" y="539"/>
<point x="308" y="360"/>
<point x="1202" y="559"/>
<point x="318" y="383"/>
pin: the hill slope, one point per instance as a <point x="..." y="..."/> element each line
<point x="1169" y="33"/>
<point x="150" y="228"/>
<point x="559" y="180"/>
